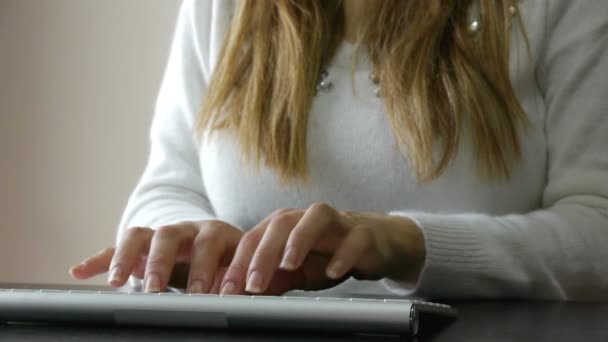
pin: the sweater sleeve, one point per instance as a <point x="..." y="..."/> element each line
<point x="560" y="250"/>
<point x="171" y="189"/>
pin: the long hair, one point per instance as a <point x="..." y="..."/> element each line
<point x="436" y="80"/>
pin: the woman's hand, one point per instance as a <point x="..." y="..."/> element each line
<point x="208" y="246"/>
<point x="368" y="245"/>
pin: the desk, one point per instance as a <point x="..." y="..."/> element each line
<point x="478" y="321"/>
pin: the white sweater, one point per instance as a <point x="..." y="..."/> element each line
<point x="542" y="234"/>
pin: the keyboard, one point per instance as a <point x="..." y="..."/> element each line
<point x="173" y="309"/>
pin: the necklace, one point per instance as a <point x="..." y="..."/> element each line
<point x="475" y="24"/>
<point x="325" y="85"/>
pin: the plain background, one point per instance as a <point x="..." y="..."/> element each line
<point x="78" y="85"/>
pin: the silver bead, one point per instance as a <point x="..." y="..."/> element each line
<point x="374" y="78"/>
<point x="474" y="26"/>
<point x="324" y="86"/>
<point x="377" y="92"/>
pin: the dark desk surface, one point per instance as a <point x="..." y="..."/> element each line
<point x="478" y="321"/>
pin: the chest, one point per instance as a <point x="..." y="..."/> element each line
<point x="354" y="163"/>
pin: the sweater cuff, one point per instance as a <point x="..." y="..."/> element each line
<point x="454" y="252"/>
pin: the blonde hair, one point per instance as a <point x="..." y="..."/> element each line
<point x="436" y="79"/>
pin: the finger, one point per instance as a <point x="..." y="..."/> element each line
<point x="213" y="241"/>
<point x="128" y="253"/>
<point x="236" y="274"/>
<point x="355" y="246"/>
<point x="265" y="261"/>
<point x="92" y="266"/>
<point x="316" y="220"/>
<point x="217" y="282"/>
<point x="140" y="268"/>
<point x="164" y="248"/>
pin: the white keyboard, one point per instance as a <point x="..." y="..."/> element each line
<point x="357" y="315"/>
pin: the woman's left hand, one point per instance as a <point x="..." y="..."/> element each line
<point x="367" y="245"/>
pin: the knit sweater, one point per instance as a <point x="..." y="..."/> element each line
<point x="541" y="234"/>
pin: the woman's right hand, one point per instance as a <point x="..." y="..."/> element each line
<point x="207" y="246"/>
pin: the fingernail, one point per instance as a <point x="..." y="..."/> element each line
<point x="228" y="288"/>
<point x="152" y="283"/>
<point x="196" y="286"/>
<point x="254" y="284"/>
<point x="116" y="275"/>
<point x="335" y="269"/>
<point x="289" y="260"/>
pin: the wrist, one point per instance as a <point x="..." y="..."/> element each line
<point x="410" y="250"/>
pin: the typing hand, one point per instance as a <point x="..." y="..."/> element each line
<point x="192" y="253"/>
<point x="321" y="246"/>
<point x="208" y="246"/>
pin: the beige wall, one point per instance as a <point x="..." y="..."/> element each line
<point x="78" y="82"/>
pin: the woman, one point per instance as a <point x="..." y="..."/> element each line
<point x="439" y="148"/>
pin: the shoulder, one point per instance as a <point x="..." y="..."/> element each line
<point x="208" y="13"/>
<point x="560" y="30"/>
<point x="578" y="13"/>
<point x="554" y="21"/>
<point x="204" y="24"/>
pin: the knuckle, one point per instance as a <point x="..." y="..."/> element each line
<point x="216" y="226"/>
<point x="107" y="250"/>
<point x="284" y="221"/>
<point x="281" y="212"/>
<point x="137" y="231"/>
<point x="206" y="238"/>
<point x="321" y="207"/>
<point x="212" y="232"/>
<point x="214" y="223"/>
<point x="166" y="231"/>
